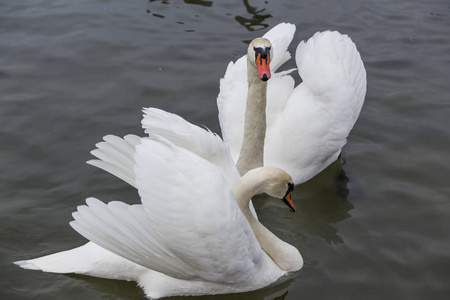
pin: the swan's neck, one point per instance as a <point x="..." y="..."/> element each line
<point x="287" y="257"/>
<point x="252" y="149"/>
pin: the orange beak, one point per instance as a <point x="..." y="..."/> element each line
<point x="262" y="66"/>
<point x="288" y="201"/>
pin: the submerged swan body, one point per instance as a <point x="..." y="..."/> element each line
<point x="306" y="125"/>
<point x="194" y="232"/>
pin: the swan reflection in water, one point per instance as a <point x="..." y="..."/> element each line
<point x="129" y="291"/>
<point x="321" y="203"/>
<point x="324" y="203"/>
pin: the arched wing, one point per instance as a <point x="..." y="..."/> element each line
<point x="116" y="155"/>
<point x="200" y="141"/>
<point x="189" y="225"/>
<point x="322" y="110"/>
<point x="332" y="69"/>
<point x="280" y="37"/>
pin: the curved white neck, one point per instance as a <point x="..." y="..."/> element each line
<point x="286" y="256"/>
<point x="252" y="149"/>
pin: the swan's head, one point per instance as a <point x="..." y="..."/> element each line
<point x="273" y="182"/>
<point x="282" y="188"/>
<point x="260" y="53"/>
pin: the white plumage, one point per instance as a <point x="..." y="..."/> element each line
<point x="194" y="233"/>
<point x="307" y="125"/>
<point x="189" y="236"/>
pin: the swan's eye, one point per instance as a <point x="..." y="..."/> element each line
<point x="290" y="187"/>
<point x="264" y="52"/>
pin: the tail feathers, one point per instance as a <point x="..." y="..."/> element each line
<point x="62" y="262"/>
<point x="27" y="264"/>
<point x="89" y="259"/>
<point x="116" y="156"/>
<point x="70" y="261"/>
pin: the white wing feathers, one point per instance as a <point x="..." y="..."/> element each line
<point x="332" y="70"/>
<point x="123" y="229"/>
<point x="322" y="110"/>
<point x="200" y="141"/>
<point x="186" y="225"/>
<point x="115" y="155"/>
<point x="280" y="35"/>
<point x="231" y="103"/>
<point x="329" y="63"/>
<point x="306" y="126"/>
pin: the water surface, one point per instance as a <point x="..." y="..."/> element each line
<point x="372" y="226"/>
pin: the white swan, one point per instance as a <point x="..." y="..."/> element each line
<point x="308" y="125"/>
<point x="194" y="232"/>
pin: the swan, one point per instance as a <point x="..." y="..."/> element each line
<point x="194" y="232"/>
<point x="305" y="126"/>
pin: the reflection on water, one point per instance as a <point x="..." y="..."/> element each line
<point x="256" y="20"/>
<point x="78" y="70"/>
<point x="196" y="2"/>
<point x="323" y="202"/>
<point x="276" y="291"/>
<point x="282" y="296"/>
<point x="199" y="2"/>
<point x="121" y="288"/>
<point x="129" y="290"/>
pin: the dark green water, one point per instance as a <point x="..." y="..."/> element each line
<point x="376" y="227"/>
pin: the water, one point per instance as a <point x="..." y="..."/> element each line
<point x="374" y="227"/>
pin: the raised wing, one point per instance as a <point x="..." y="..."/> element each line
<point x="189" y="225"/>
<point x="322" y="110"/>
<point x="200" y="141"/>
<point x="116" y="155"/>
<point x="280" y="37"/>
<point x="332" y="69"/>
